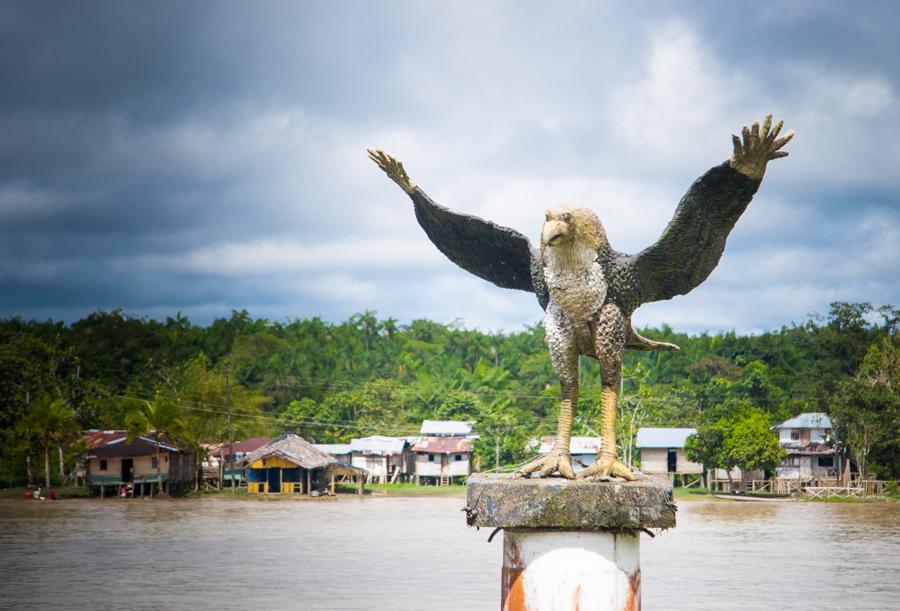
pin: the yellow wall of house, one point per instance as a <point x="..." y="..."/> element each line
<point x="263" y="488"/>
<point x="273" y="461"/>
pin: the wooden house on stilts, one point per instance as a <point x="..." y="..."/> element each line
<point x="291" y="465"/>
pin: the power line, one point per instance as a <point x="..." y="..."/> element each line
<point x="191" y="405"/>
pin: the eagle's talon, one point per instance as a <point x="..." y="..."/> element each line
<point x="555" y="462"/>
<point x="608" y="468"/>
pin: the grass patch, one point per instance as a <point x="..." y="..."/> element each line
<point x="692" y="493"/>
<point x="407" y="489"/>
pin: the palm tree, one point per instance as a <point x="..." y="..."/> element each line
<point x="160" y="418"/>
<point x="51" y="420"/>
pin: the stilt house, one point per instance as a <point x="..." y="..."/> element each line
<point x="385" y="458"/>
<point x="216" y="466"/>
<point x="442" y="459"/>
<point x="112" y="463"/>
<point x="806" y="437"/>
<point x="662" y="451"/>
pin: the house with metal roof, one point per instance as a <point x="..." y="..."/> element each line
<point x="662" y="451"/>
<point x="292" y="465"/>
<point x="583" y="450"/>
<point x="810" y="452"/>
<point x="341" y="452"/>
<point x="446" y="428"/>
<point x="383" y="457"/>
<point x="219" y="467"/>
<point x="113" y="464"/>
<point x="442" y="459"/>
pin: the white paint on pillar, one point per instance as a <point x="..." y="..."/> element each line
<point x="572" y="570"/>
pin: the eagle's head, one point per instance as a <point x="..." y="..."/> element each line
<point x="567" y="227"/>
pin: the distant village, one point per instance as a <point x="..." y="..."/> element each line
<point x="440" y="455"/>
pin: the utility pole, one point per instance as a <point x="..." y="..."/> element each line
<point x="230" y="432"/>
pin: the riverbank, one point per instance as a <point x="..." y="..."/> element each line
<point x="61" y="492"/>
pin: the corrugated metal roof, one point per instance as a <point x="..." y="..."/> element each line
<point x="141" y="446"/>
<point x="663" y="438"/>
<point x="577" y="445"/>
<point x="248" y="445"/>
<point x="453" y="428"/>
<point x="333" y="448"/>
<point x="807" y="420"/>
<point x="443" y="445"/>
<point x="97" y="439"/>
<point x="378" y="444"/>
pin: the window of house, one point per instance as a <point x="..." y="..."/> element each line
<point x="458" y="457"/>
<point x="431" y="458"/>
<point x="826" y="461"/>
<point x="791" y="461"/>
<point x="102" y="464"/>
<point x="153" y="462"/>
<point x="795" y="435"/>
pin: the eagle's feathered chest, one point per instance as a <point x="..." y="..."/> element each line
<point x="575" y="281"/>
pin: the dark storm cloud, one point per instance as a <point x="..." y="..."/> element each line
<point x="207" y="156"/>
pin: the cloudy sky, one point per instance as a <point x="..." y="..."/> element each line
<point x="202" y="157"/>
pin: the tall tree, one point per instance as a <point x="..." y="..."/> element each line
<point x="51" y="420"/>
<point x="866" y="410"/>
<point x="161" y="419"/>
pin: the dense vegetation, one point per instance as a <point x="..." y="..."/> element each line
<point x="331" y="382"/>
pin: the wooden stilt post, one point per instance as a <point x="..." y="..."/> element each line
<point x="308" y="482"/>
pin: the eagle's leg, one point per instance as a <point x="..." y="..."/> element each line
<point x="609" y="344"/>
<point x="564" y="356"/>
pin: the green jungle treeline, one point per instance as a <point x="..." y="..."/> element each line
<point x="366" y="376"/>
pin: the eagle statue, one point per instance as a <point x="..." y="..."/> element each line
<point x="589" y="290"/>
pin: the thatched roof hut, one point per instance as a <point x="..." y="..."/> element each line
<point x="283" y="464"/>
<point x="293" y="448"/>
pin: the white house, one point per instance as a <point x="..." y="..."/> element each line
<point x="443" y="458"/>
<point x="383" y="457"/>
<point x="806" y="437"/>
<point x="662" y="451"/>
<point x="446" y="428"/>
<point x="583" y="450"/>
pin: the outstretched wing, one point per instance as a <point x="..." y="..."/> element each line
<point x="497" y="254"/>
<point x="692" y="243"/>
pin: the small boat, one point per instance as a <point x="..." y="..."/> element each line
<point x="757" y="498"/>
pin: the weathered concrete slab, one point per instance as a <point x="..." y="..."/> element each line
<point x="509" y="501"/>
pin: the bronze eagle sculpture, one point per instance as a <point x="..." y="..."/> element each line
<point x="589" y="290"/>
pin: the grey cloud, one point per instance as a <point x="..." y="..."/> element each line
<point x="163" y="157"/>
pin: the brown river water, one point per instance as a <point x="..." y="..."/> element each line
<point x="417" y="553"/>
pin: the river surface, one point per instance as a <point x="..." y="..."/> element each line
<point x="417" y="553"/>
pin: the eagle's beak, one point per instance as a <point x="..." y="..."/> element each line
<point x="553" y="232"/>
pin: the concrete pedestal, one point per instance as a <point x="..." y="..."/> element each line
<point x="569" y="544"/>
